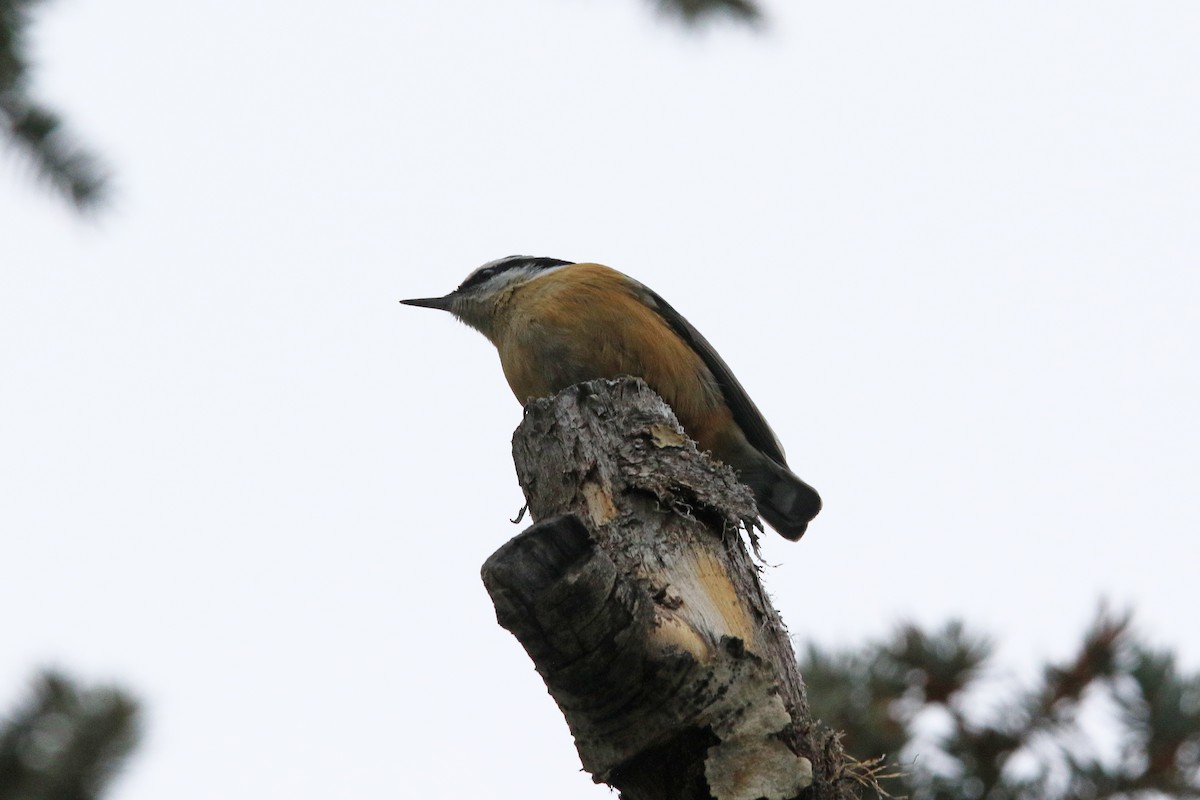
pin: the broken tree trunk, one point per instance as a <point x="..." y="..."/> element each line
<point x="642" y="610"/>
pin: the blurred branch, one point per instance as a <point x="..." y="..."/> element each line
<point x="947" y="660"/>
<point x="65" y="742"/>
<point x="33" y="129"/>
<point x="1034" y="744"/>
<point x="693" y="11"/>
<point x="1163" y="716"/>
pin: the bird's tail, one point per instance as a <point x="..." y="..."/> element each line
<point x="787" y="503"/>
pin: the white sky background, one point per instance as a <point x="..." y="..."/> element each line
<point x="950" y="248"/>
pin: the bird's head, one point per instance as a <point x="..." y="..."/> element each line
<point x="478" y="298"/>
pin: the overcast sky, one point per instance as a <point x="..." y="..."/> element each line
<point x="951" y="250"/>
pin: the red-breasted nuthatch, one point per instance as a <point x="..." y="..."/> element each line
<point x="557" y="323"/>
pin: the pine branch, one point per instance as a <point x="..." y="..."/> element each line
<point x="853" y="691"/>
<point x="1163" y="718"/>
<point x="947" y="661"/>
<point x="878" y="694"/>
<point x="1064" y="686"/>
<point x="985" y="750"/>
<point x="65" y="742"/>
<point x="34" y="130"/>
<point x="694" y="11"/>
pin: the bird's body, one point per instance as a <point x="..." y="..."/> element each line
<point x="555" y="324"/>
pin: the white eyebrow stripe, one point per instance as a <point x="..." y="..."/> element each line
<point x="522" y="268"/>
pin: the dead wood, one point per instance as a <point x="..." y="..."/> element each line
<point x="642" y="609"/>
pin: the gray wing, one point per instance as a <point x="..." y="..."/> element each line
<point x="745" y="413"/>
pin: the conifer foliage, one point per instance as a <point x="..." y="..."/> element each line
<point x="697" y="10"/>
<point x="65" y="742"/>
<point x="1119" y="719"/>
<point x="33" y="129"/>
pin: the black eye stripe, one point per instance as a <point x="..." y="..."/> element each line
<point x="510" y="263"/>
<point x="478" y="278"/>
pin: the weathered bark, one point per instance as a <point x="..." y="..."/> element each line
<point x="642" y="610"/>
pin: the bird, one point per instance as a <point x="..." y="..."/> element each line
<point x="556" y="323"/>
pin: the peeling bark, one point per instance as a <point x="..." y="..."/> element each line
<point x="636" y="598"/>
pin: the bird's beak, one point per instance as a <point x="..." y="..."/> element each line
<point x="431" y="302"/>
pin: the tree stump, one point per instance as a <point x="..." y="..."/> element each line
<point x="636" y="598"/>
